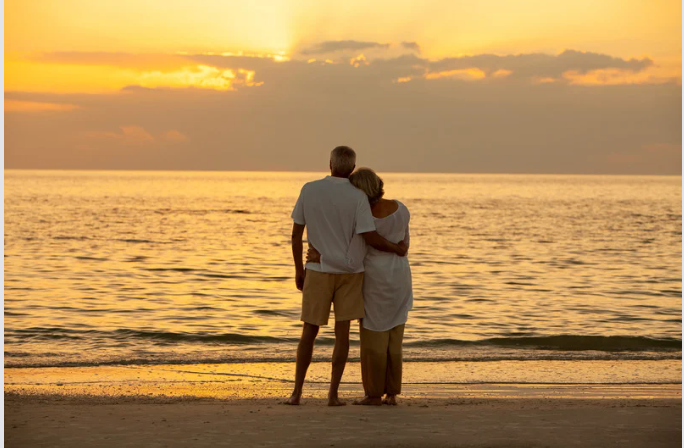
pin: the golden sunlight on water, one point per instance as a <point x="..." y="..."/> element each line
<point x="162" y="267"/>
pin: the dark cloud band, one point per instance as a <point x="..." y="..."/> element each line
<point x="333" y="46"/>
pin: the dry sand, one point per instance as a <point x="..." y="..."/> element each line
<point x="49" y="421"/>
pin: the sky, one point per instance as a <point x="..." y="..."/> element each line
<point x="493" y="86"/>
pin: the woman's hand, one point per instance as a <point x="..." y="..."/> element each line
<point x="312" y="255"/>
<point x="403" y="248"/>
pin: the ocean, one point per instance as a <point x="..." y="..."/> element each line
<point x="106" y="267"/>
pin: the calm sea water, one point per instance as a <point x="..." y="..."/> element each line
<point x="161" y="267"/>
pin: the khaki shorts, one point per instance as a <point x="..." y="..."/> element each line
<point x="321" y="289"/>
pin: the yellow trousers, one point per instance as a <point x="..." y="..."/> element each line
<point x="381" y="361"/>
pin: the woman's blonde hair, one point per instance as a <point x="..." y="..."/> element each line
<point x="370" y="183"/>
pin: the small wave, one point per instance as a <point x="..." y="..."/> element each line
<point x="563" y="342"/>
<point x="123" y="240"/>
<point x="170" y="269"/>
<point x="139" y="241"/>
<point x="17" y="355"/>
<point x="229" y="338"/>
<point x="91" y="258"/>
<point x="200" y="212"/>
<point x="222" y="276"/>
<point x="37" y="360"/>
<point x="552" y="343"/>
<point x="270" y="313"/>
<point x="45" y="333"/>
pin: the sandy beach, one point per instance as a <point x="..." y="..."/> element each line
<point x="55" y="421"/>
<point x="241" y="405"/>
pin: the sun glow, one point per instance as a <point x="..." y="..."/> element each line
<point x="103" y="76"/>
<point x="202" y="76"/>
<point x="465" y="74"/>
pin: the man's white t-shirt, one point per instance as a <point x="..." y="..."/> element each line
<point x="335" y="214"/>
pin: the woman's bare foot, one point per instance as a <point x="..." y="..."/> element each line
<point x="335" y="401"/>
<point x="294" y="399"/>
<point x="369" y="401"/>
<point x="390" y="400"/>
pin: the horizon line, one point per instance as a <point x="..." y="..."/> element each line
<point x="325" y="171"/>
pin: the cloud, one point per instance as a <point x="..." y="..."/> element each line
<point x="230" y="72"/>
<point x="138" y="61"/>
<point x="463" y="74"/>
<point x="569" y="67"/>
<point x="521" y="65"/>
<point x="113" y="71"/>
<point x="130" y="136"/>
<point x="664" y="149"/>
<point x="174" y="136"/>
<point x="126" y="136"/>
<point x="440" y="125"/>
<point x="654" y="157"/>
<point x="359" y="61"/>
<point x="201" y="76"/>
<point x="37" y="106"/>
<point x="413" y="46"/>
<point x="611" y="76"/>
<point x="573" y="112"/>
<point x="333" y="46"/>
<point x="537" y="65"/>
<point x="232" y="61"/>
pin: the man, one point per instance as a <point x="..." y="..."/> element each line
<point x="339" y="220"/>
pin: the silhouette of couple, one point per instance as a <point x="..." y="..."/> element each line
<point x="357" y="263"/>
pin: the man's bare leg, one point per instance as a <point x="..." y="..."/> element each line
<point x="339" y="361"/>
<point x="304" y="355"/>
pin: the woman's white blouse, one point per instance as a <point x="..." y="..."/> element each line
<point x="387" y="287"/>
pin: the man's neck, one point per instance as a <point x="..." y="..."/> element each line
<point x="334" y="174"/>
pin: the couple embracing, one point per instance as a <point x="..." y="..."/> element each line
<point x="357" y="263"/>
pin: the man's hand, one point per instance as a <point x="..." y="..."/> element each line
<point x="403" y="248"/>
<point x="312" y="255"/>
<point x="297" y="248"/>
<point x="299" y="279"/>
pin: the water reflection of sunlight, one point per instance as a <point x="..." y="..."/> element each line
<point x="184" y="254"/>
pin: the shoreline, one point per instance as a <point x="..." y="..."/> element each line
<point x="445" y="380"/>
<point x="437" y="371"/>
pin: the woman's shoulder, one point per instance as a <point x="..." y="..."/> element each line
<point x="401" y="205"/>
<point x="403" y="209"/>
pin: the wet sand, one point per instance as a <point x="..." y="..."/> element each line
<point x="241" y="405"/>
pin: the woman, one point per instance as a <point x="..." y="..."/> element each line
<point x="387" y="295"/>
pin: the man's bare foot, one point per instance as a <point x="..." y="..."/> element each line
<point x="335" y="401"/>
<point x="369" y="401"/>
<point x="294" y="399"/>
<point x="390" y="400"/>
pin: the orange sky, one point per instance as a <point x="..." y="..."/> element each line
<point x="160" y="29"/>
<point x="77" y="47"/>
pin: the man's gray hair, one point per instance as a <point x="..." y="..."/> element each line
<point x="343" y="160"/>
